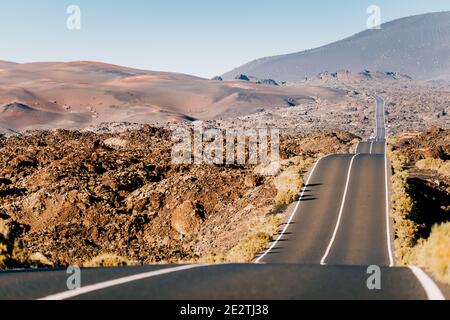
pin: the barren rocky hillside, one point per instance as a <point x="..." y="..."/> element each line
<point x="70" y="197"/>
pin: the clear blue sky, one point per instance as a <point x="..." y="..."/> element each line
<point x="200" y="37"/>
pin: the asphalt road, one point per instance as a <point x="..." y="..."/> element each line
<point x="218" y="282"/>
<point x="339" y="228"/>
<point x="371" y="147"/>
<point x="342" y="217"/>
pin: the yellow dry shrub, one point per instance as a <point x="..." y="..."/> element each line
<point x="290" y="180"/>
<point x="109" y="260"/>
<point x="3" y="246"/>
<point x="261" y="231"/>
<point x="429" y="164"/>
<point x="12" y="252"/>
<point x="439" y="165"/>
<point x="445" y="169"/>
<point x="402" y="205"/>
<point x="434" y="253"/>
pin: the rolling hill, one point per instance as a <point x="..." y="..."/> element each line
<point x="75" y="95"/>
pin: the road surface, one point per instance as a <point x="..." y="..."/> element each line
<point x="342" y="217"/>
<point x="217" y="282"/>
<point x="339" y="228"/>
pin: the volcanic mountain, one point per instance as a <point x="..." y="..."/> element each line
<point x="417" y="46"/>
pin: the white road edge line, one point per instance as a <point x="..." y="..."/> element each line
<point x="376" y="118"/>
<point x="116" y="282"/>
<point x="431" y="289"/>
<point x="386" y="165"/>
<point x="288" y="223"/>
<point x="388" y="212"/>
<point x="341" y="211"/>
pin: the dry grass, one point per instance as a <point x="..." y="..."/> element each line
<point x="3" y="246"/>
<point x="402" y="205"/>
<point x="12" y="252"/>
<point x="290" y="181"/>
<point x="405" y="229"/>
<point x="445" y="169"/>
<point x="439" y="165"/>
<point x="261" y="232"/>
<point x="430" y="164"/>
<point x="434" y="253"/>
<point x="109" y="260"/>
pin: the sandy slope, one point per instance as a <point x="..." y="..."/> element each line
<point x="78" y="94"/>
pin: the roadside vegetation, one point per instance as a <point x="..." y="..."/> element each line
<point x="290" y="180"/>
<point x="13" y="254"/>
<point x="402" y="205"/>
<point x="109" y="260"/>
<point x="420" y="210"/>
<point x="261" y="232"/>
<point x="440" y="166"/>
<point x="434" y="253"/>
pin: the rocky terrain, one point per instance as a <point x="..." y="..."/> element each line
<point x="82" y="197"/>
<point x="411" y="105"/>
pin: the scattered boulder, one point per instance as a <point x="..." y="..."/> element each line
<point x="252" y="181"/>
<point x="187" y="218"/>
<point x="116" y="143"/>
<point x="40" y="260"/>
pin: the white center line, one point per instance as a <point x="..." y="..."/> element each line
<point x="341" y="211"/>
<point x="111" y="283"/>
<point x="288" y="223"/>
<point x="431" y="289"/>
